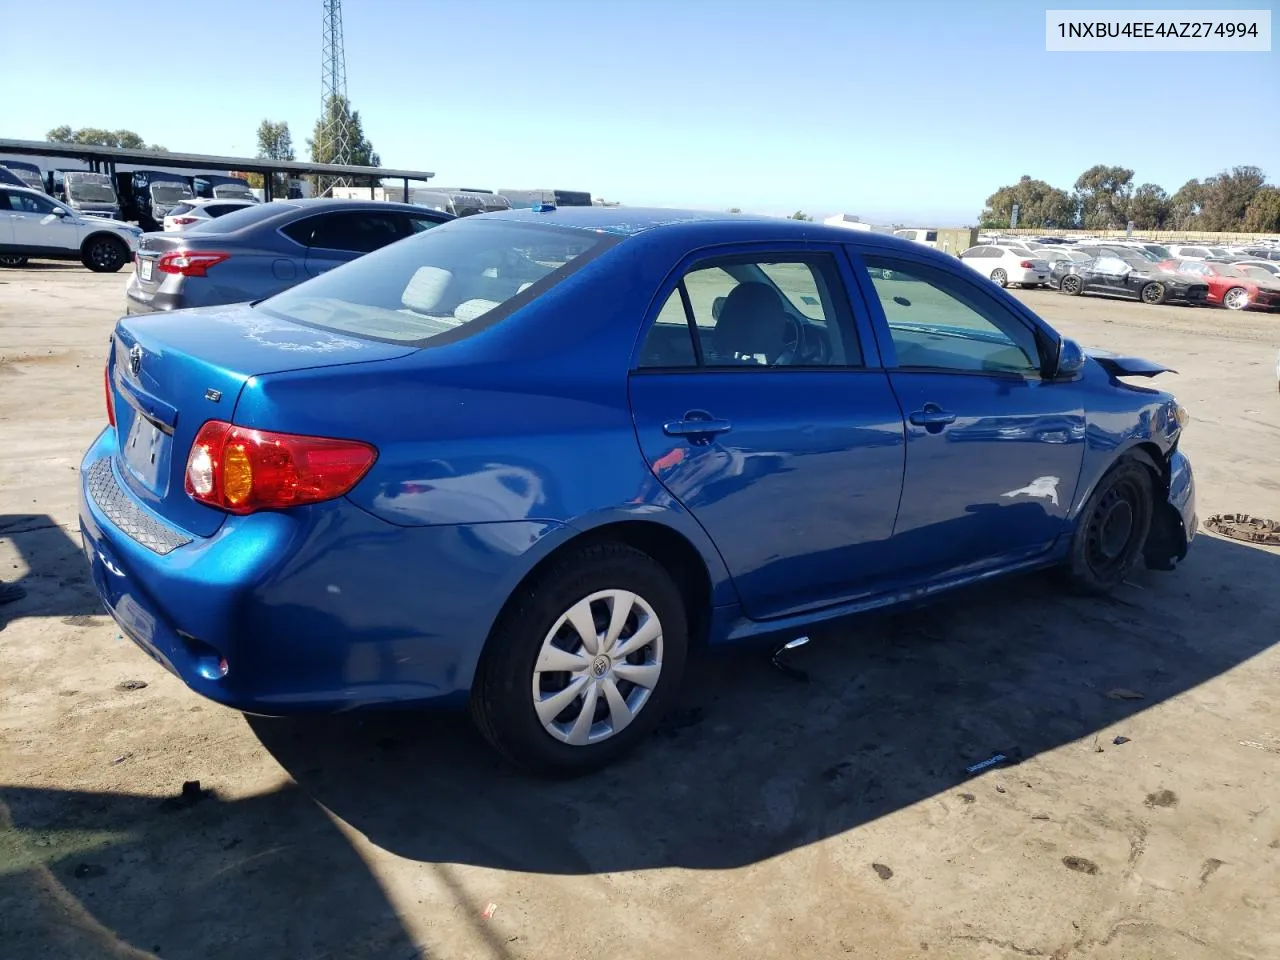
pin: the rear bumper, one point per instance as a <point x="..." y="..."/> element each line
<point x="1174" y="526"/>
<point x="1028" y="276"/>
<point x="321" y="608"/>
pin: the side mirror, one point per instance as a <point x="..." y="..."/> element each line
<point x="60" y="212"/>
<point x="1068" y="360"/>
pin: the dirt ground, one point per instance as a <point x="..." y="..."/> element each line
<point x="769" y="818"/>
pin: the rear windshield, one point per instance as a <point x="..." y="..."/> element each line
<point x="180" y="209"/>
<point x="243" y="217"/>
<point x="439" y="281"/>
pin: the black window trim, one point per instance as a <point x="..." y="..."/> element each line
<point x="1044" y="346"/>
<point x="765" y="253"/>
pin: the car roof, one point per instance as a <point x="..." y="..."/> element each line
<point x="201" y="201"/>
<point x="728" y="227"/>
<point x="24" y="189"/>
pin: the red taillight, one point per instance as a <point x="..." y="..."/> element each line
<point x="1027" y="265"/>
<point x="189" y="263"/>
<point x="241" y="470"/>
<point x="184" y="220"/>
<point x="111" y="404"/>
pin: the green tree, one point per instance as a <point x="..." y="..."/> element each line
<point x="1102" y="194"/>
<point x="1263" y="214"/>
<point x="1149" y="207"/>
<point x="1184" y="206"/>
<point x="339" y="116"/>
<point x="275" y="142"/>
<point x="1227" y="196"/>
<point x="95" y="136"/>
<point x="1039" y="205"/>
<point x="800" y="215"/>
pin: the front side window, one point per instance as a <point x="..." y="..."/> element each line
<point x="784" y="311"/>
<point x="30" y="203"/>
<point x="940" y="322"/>
<point x="436" y="285"/>
<point x="355" y="231"/>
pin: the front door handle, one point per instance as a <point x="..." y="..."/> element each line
<point x="696" y="424"/>
<point x="932" y="415"/>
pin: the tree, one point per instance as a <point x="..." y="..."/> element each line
<point x="339" y="116"/>
<point x="274" y="143"/>
<point x="1103" y="193"/>
<point x="1184" y="206"/>
<point x="800" y="215"/>
<point x="94" y="136"/>
<point x="1149" y="207"/>
<point x="1227" y="196"/>
<point x="1039" y="205"/>
<point x="1263" y="214"/>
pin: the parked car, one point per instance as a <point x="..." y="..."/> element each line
<point x="1004" y="266"/>
<point x="1197" y="252"/>
<point x="147" y="196"/>
<point x="262" y="249"/>
<point x="90" y="194"/>
<point x="1270" y="266"/>
<point x="211" y="186"/>
<point x="1228" y="286"/>
<point x="1122" y="272"/>
<point x="34" y="225"/>
<point x="26" y="171"/>
<point x="199" y="210"/>
<point x="500" y="462"/>
<point x="1263" y="253"/>
<point x="1259" y="274"/>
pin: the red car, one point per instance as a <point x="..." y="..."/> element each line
<point x="1229" y="286"/>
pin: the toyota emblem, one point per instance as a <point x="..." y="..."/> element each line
<point x="135" y="359"/>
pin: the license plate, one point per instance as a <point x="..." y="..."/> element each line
<point x="144" y="269"/>
<point x="144" y="450"/>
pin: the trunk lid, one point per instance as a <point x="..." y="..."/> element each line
<point x="151" y="247"/>
<point x="170" y="372"/>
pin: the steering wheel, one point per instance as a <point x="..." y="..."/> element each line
<point x="802" y="348"/>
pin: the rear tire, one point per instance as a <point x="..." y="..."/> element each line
<point x="1112" y="529"/>
<point x="104" y="254"/>
<point x="534" y="636"/>
<point x="8" y="260"/>
<point x="1153" y="293"/>
<point x="999" y="277"/>
<point x="1071" y="285"/>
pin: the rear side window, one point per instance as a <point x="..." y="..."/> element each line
<point x="220" y="209"/>
<point x="435" y="286"/>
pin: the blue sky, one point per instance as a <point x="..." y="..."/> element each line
<point x="874" y="108"/>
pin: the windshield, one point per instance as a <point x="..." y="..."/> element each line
<point x="30" y="177"/>
<point x="1218" y="252"/>
<point x="1256" y="273"/>
<point x="90" y="192"/>
<point x="170" y="192"/>
<point x="439" y="281"/>
<point x="232" y="191"/>
<point x="1161" y="253"/>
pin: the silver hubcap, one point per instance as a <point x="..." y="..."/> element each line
<point x="1236" y="299"/>
<point x="999" y="276"/>
<point x="597" y="667"/>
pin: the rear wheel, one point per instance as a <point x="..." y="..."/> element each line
<point x="1152" y="293"/>
<point x="1237" y="298"/>
<point x="1112" y="529"/>
<point x="9" y="260"/>
<point x="1071" y="285"/>
<point x="104" y="254"/>
<point x="999" y="277"/>
<point x="583" y="662"/>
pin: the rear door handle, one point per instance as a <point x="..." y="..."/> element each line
<point x="932" y="416"/>
<point x="695" y="426"/>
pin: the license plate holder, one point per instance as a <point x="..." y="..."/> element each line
<point x="144" y="451"/>
<point x="145" y="267"/>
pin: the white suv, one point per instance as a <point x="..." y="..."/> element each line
<point x="33" y="224"/>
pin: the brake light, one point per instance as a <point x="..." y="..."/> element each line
<point x="189" y="263"/>
<point x="242" y="471"/>
<point x="106" y="383"/>
<point x="184" y="220"/>
<point x="1026" y="265"/>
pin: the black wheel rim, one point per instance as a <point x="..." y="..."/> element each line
<point x="1112" y="525"/>
<point x="1152" y="293"/>
<point x="1071" y="284"/>
<point x="11" y="261"/>
<point x="105" y="254"/>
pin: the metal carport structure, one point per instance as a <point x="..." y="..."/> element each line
<point x="104" y="160"/>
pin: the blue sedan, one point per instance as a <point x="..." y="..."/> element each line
<point x="525" y="461"/>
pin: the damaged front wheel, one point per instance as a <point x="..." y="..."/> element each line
<point x="1112" y="529"/>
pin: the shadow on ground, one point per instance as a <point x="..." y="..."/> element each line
<point x="752" y="765"/>
<point x="57" y="578"/>
<point x="755" y="763"/>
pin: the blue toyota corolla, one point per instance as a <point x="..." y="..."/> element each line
<point x="526" y="460"/>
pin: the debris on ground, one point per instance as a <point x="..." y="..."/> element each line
<point x="1040" y="816"/>
<point x="190" y="796"/>
<point x="489" y="911"/>
<point x="131" y="685"/>
<point x="785" y="668"/>
<point x="1123" y="693"/>
<point x="1241" y="526"/>
<point x="1012" y="755"/>
<point x="968" y="797"/>
<point x="1080" y="865"/>
<point x="883" y="871"/>
<point x="1120" y="741"/>
<point x="87" y="871"/>
<point x="1162" y="798"/>
<point x="122" y="758"/>
<point x="1000" y="788"/>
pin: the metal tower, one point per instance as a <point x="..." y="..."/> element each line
<point x="335" y="131"/>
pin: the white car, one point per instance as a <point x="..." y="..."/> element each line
<point x="1197" y="251"/>
<point x="190" y="212"/>
<point x="33" y="224"/>
<point x="1003" y="265"/>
